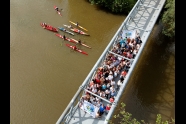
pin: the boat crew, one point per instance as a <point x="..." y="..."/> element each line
<point x="74" y="47"/>
<point x="70" y="26"/>
<point x="79" y="31"/>
<point x="64" y="37"/>
<point x="57" y="9"/>
<point x="79" y="41"/>
<point x="44" y="25"/>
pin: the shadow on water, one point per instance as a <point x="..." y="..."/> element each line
<point x="151" y="87"/>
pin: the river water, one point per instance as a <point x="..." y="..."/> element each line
<point x="45" y="74"/>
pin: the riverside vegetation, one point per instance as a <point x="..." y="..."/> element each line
<point x="167" y="17"/>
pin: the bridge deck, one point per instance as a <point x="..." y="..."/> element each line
<point x="80" y="117"/>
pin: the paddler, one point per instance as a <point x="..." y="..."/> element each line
<point x="70" y="26"/>
<point x="77" y="24"/>
<point x="44" y="25"/>
<point x="74" y="47"/>
<point x="64" y="37"/>
<point x="79" y="41"/>
<point x="79" y="31"/>
<point x="57" y="9"/>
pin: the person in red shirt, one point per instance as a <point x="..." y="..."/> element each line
<point x="92" y="82"/>
<point x="107" y="108"/>
<point x="112" y="99"/>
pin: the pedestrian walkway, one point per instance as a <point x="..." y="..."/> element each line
<point x="122" y="53"/>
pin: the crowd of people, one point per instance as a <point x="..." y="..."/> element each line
<point x="110" y="76"/>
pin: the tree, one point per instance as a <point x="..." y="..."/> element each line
<point x="126" y="118"/>
<point x="115" y="6"/>
<point x="168" y="19"/>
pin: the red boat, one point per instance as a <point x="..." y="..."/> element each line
<point x="57" y="11"/>
<point x="49" y="27"/>
<point x="81" y="43"/>
<point x="78" y="50"/>
<point x="79" y="31"/>
<point x="72" y="40"/>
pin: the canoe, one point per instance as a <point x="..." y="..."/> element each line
<point x="81" y="43"/>
<point x="68" y="26"/>
<point x="78" y="50"/>
<point x="78" y="26"/>
<point x="49" y="27"/>
<point x="57" y="11"/>
<point x="68" y="39"/>
<point x="79" y="31"/>
<point x="72" y="40"/>
<point x="76" y="30"/>
<point x="64" y="30"/>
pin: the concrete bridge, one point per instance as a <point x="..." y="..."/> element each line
<point x="141" y="19"/>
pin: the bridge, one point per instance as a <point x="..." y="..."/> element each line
<point x="140" y="20"/>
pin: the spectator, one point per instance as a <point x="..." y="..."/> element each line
<point x="102" y="94"/>
<point x="110" y="77"/>
<point x="108" y="85"/>
<point x="107" y="93"/>
<point x="101" y="109"/>
<point x="92" y="82"/>
<point x="123" y="73"/>
<point x="113" y="82"/>
<point x="112" y="88"/>
<point x="107" y="108"/>
<point x="113" y="93"/>
<point x="119" y="83"/>
<point x="98" y="103"/>
<point x="112" y="99"/>
<point x="103" y="87"/>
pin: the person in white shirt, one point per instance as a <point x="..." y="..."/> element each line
<point x="112" y="88"/>
<point x="94" y="90"/>
<point x="119" y="83"/>
<point x="107" y="93"/>
<point x="110" y="77"/>
<point x="113" y="82"/>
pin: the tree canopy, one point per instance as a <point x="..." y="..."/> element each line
<point x="168" y="19"/>
<point x="126" y="118"/>
<point x="115" y="6"/>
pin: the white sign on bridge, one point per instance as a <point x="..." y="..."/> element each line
<point x="89" y="108"/>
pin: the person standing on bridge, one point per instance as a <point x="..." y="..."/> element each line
<point x="107" y="108"/>
<point x="107" y="93"/>
<point x="112" y="99"/>
<point x="101" y="109"/>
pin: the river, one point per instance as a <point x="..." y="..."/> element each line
<point x="45" y="74"/>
